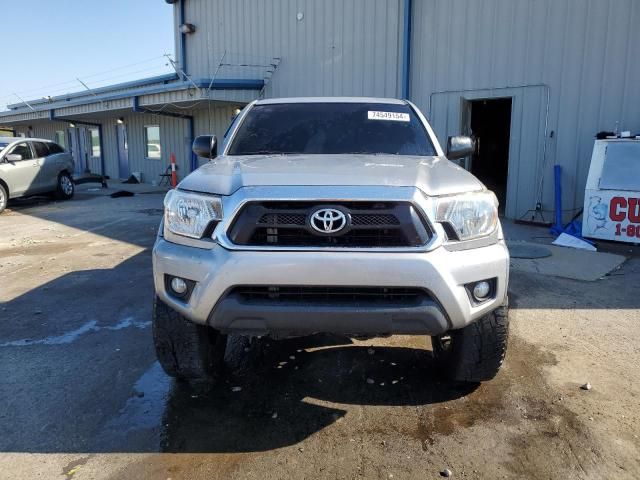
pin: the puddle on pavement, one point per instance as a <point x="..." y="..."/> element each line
<point x="520" y="404"/>
<point x="490" y="401"/>
<point x="73" y="335"/>
<point x="144" y="410"/>
<point x="214" y="419"/>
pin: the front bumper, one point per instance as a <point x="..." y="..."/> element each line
<point x="441" y="272"/>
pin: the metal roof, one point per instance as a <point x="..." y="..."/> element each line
<point x="116" y="92"/>
<point x="96" y="91"/>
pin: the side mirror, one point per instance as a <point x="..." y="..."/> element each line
<point x="206" y="146"/>
<point x="459" y="147"/>
<point x="13" y="157"/>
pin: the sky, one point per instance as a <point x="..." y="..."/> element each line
<point x="47" y="44"/>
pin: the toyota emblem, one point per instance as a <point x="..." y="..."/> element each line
<point x="328" y="220"/>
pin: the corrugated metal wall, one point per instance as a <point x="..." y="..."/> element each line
<point x="173" y="135"/>
<point x="44" y="130"/>
<point x="585" y="51"/>
<point x="174" y="138"/>
<point x="221" y="117"/>
<point x="340" y="47"/>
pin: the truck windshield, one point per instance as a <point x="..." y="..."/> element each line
<point x="331" y="128"/>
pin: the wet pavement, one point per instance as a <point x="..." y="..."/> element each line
<point x="83" y="396"/>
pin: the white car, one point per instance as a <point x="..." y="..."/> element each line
<point x="30" y="166"/>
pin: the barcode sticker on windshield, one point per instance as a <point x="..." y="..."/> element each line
<point x="392" y="116"/>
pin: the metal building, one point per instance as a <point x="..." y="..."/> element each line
<point x="532" y="80"/>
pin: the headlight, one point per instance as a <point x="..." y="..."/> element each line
<point x="471" y="215"/>
<point x="190" y="214"/>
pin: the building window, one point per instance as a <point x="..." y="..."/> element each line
<point x="152" y="141"/>
<point x="60" y="140"/>
<point x="94" y="134"/>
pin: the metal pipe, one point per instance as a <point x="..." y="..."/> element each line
<point x="194" y="159"/>
<point x="406" y="49"/>
<point x="558" y="227"/>
<point x="183" y="39"/>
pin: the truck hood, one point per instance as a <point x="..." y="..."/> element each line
<point x="433" y="175"/>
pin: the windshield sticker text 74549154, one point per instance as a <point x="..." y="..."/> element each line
<point x="392" y="116"/>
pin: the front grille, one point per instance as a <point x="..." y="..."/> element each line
<point x="374" y="220"/>
<point x="330" y="295"/>
<point x="369" y="225"/>
<point x="301" y="219"/>
<point x="283" y="219"/>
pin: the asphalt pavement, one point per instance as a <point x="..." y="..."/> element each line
<point x="82" y="396"/>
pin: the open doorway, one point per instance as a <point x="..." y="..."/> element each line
<point x="491" y="128"/>
<point x="78" y="148"/>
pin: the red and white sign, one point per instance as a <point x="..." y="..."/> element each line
<point x="612" y="193"/>
<point x="612" y="215"/>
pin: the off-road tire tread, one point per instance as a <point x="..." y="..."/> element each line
<point x="185" y="349"/>
<point x="478" y="349"/>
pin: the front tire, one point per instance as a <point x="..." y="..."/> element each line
<point x="65" y="188"/>
<point x="184" y="349"/>
<point x="476" y="352"/>
<point x="4" y="197"/>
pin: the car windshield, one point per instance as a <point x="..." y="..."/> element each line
<point x="3" y="146"/>
<point x="331" y="128"/>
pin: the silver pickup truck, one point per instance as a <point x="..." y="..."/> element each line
<point x="339" y="215"/>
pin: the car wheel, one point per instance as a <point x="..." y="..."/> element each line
<point x="474" y="353"/>
<point x="65" y="188"/>
<point x="4" y="198"/>
<point x="184" y="349"/>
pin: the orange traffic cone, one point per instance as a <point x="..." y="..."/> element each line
<point x="174" y="175"/>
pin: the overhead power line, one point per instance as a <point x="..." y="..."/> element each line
<point x="97" y="78"/>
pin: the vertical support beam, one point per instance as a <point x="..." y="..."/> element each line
<point x="406" y="48"/>
<point x="194" y="160"/>
<point x="183" y="39"/>
<point x="102" y="166"/>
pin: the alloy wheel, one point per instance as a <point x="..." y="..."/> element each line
<point x="66" y="185"/>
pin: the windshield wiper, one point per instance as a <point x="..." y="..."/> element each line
<point x="262" y="152"/>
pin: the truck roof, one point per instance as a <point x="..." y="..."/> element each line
<point x="274" y="101"/>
